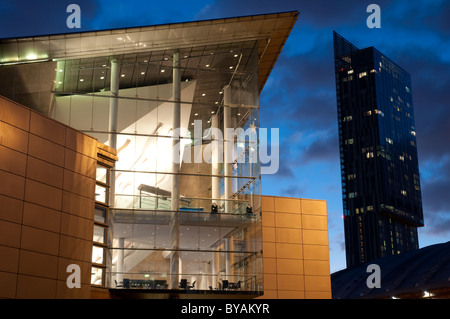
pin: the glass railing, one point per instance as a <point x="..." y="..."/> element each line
<point x="207" y="205"/>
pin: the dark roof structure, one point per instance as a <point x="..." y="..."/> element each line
<point x="423" y="273"/>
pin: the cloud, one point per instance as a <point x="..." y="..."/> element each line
<point x="293" y="190"/>
<point x="322" y="149"/>
<point x="435" y="189"/>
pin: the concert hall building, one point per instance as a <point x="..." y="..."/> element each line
<point x="104" y="170"/>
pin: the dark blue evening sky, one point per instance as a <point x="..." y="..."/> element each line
<point x="299" y="97"/>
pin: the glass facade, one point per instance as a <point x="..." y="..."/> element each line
<point x="213" y="235"/>
<point x="378" y="154"/>
<point x="181" y="207"/>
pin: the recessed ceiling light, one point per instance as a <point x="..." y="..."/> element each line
<point x="221" y="92"/>
<point x="196" y="114"/>
<point x="216" y="102"/>
<point x="209" y="122"/>
<point x="59" y="82"/>
<point x="239" y="114"/>
<point x="207" y="65"/>
<point x="145" y="61"/>
<point x="142" y="73"/>
<point x="165" y="59"/>
<point x="81" y="80"/>
<point x="203" y="94"/>
<point x="231" y="67"/>
<point x="122" y="75"/>
<point x="102" y="77"/>
<point x="162" y="71"/>
<point x="212" y="112"/>
<point x="61" y="70"/>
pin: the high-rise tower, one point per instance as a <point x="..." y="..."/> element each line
<point x="378" y="154"/>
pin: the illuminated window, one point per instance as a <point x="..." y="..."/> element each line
<point x="102" y="174"/>
<point x="97" y="276"/>
<point x="98" y="255"/>
<point x="100" y="230"/>
<point x="379" y="112"/>
<point x="101" y="194"/>
<point x="349" y="141"/>
<point x="362" y="74"/>
<point x="389" y="140"/>
<point x="99" y="234"/>
<point x="350" y="72"/>
<point x="403" y="192"/>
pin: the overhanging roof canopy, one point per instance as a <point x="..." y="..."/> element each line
<point x="269" y="30"/>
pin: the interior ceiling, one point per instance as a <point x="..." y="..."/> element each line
<point x="211" y="66"/>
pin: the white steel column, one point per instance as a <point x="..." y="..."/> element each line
<point x="113" y="111"/>
<point x="228" y="148"/>
<point x="175" y="197"/>
<point x="215" y="188"/>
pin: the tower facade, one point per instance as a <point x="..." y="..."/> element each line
<point x="378" y="154"/>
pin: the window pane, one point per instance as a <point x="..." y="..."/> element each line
<point x="100" y="193"/>
<point x="102" y="174"/>
<point x="97" y="276"/>
<point x="100" y="214"/>
<point x="97" y="254"/>
<point x="99" y="234"/>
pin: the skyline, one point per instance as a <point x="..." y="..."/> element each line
<point x="299" y="97"/>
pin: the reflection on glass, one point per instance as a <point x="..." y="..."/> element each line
<point x="100" y="214"/>
<point x="100" y="193"/>
<point x="97" y="276"/>
<point x="99" y="234"/>
<point x="102" y="174"/>
<point x="98" y="254"/>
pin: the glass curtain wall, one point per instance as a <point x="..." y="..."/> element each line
<point x="195" y="224"/>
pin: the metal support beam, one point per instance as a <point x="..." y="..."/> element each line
<point x="113" y="111"/>
<point x="215" y="152"/>
<point x="176" y="160"/>
<point x="227" y="149"/>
